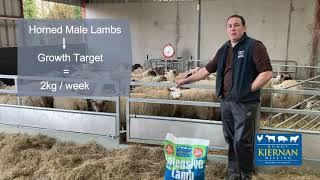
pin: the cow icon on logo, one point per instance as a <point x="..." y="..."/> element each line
<point x="282" y="139"/>
<point x="294" y="138"/>
<point x="271" y="138"/>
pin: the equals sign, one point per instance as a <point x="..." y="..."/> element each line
<point x="66" y="71"/>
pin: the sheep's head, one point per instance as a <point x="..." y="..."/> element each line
<point x="163" y="78"/>
<point x="172" y="72"/>
<point x="286" y="77"/>
<point x="311" y="104"/>
<point x="277" y="80"/>
<point x="280" y="78"/>
<point x="151" y="72"/>
<point x="96" y="105"/>
<point x="175" y="93"/>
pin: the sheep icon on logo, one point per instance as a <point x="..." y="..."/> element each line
<point x="294" y="138"/>
<point x="282" y="139"/>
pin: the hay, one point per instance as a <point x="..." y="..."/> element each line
<point x="40" y="157"/>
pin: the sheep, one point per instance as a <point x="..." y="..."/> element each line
<point x="203" y="95"/>
<point x="142" y="89"/>
<point x="286" y="100"/>
<point x="70" y="103"/>
<point x="8" y="99"/>
<point x="136" y="66"/>
<point x="154" y="109"/>
<point x="160" y="70"/>
<point x="265" y="97"/>
<point x="171" y="75"/>
<point x="148" y="72"/>
<point x="313" y="105"/>
<point x="138" y="71"/>
<point x="153" y="79"/>
<point x="36" y="101"/>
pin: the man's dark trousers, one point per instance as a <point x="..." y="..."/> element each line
<point x="238" y="122"/>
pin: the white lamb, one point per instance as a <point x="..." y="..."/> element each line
<point x="70" y="103"/>
<point x="265" y="97"/>
<point x="171" y="75"/>
<point x="12" y="99"/>
<point x="153" y="79"/>
<point x="200" y="95"/>
<point x="148" y="72"/>
<point x="286" y="100"/>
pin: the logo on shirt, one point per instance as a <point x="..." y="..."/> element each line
<point x="241" y="54"/>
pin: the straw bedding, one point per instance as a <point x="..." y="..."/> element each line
<point x="41" y="157"/>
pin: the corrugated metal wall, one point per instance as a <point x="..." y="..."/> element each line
<point x="10" y="10"/>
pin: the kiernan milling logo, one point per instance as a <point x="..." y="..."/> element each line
<point x="278" y="149"/>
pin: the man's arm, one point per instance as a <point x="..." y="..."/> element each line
<point x="261" y="80"/>
<point x="201" y="74"/>
<point x="263" y="65"/>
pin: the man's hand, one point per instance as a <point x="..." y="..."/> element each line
<point x="261" y="80"/>
<point x="181" y="82"/>
<point x="201" y="74"/>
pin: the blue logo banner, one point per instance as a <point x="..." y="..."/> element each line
<point x="278" y="149"/>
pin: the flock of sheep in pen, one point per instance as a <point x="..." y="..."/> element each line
<point x="279" y="100"/>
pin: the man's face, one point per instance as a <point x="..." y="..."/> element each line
<point x="235" y="29"/>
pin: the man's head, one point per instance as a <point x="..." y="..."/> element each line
<point x="236" y="27"/>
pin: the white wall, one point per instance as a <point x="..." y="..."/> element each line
<point x="154" y="24"/>
<point x="266" y="21"/>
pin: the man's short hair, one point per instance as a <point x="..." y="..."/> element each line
<point x="243" y="22"/>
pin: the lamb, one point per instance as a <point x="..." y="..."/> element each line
<point x="265" y="97"/>
<point x="171" y="75"/>
<point x="153" y="79"/>
<point x="286" y="100"/>
<point x="8" y="99"/>
<point x="102" y="106"/>
<point x="203" y="95"/>
<point x="313" y="105"/>
<point x="70" y="103"/>
<point x="142" y="89"/>
<point x="36" y="101"/>
<point x="148" y="72"/>
<point x="136" y="66"/>
<point x="154" y="109"/>
<point x="138" y="71"/>
<point x="151" y="109"/>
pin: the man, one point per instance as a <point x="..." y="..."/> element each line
<point x="243" y="67"/>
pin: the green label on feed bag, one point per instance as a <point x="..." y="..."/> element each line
<point x="186" y="158"/>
